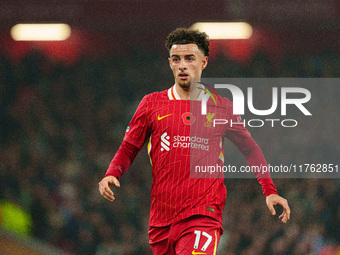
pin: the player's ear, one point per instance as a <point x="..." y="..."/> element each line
<point x="204" y="62"/>
<point x="169" y="61"/>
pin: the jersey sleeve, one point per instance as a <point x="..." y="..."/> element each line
<point x="240" y="136"/>
<point x="138" y="130"/>
<point x="122" y="160"/>
<point x="136" y="134"/>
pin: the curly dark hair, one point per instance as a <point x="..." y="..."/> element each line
<point x="184" y="35"/>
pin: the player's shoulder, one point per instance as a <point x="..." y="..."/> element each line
<point x="156" y="96"/>
<point x="227" y="104"/>
<point x="226" y="101"/>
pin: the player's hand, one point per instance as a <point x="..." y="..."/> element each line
<point x="275" y="199"/>
<point x="104" y="187"/>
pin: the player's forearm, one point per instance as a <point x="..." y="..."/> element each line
<point x="122" y="160"/>
<point x="255" y="158"/>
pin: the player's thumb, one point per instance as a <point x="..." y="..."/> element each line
<point x="116" y="182"/>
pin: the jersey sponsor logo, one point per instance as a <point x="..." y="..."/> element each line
<point x="193" y="142"/>
<point x="209" y="122"/>
<point x="165" y="142"/>
<point x="188" y="118"/>
<point x="162" y="117"/>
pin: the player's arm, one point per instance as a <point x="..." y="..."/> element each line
<point x="254" y="156"/>
<point x="136" y="134"/>
<point x="241" y="137"/>
<point x="119" y="164"/>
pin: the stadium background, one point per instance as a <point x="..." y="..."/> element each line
<point x="64" y="107"/>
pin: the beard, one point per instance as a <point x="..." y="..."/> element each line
<point x="184" y="84"/>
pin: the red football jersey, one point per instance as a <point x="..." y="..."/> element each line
<point x="179" y="137"/>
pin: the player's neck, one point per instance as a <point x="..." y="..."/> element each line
<point x="187" y="94"/>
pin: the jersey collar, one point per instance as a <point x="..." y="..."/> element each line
<point x="173" y="95"/>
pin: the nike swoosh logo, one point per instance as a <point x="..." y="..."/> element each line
<point x="159" y="118"/>
<point x="193" y="252"/>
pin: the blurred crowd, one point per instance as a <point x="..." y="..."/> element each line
<point x="61" y="125"/>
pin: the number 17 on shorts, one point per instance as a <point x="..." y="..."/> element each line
<point x="199" y="242"/>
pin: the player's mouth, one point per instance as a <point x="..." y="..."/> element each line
<point x="183" y="76"/>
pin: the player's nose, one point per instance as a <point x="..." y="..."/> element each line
<point x="182" y="65"/>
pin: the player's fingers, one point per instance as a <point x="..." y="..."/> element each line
<point x="105" y="191"/>
<point x="288" y="212"/>
<point x="281" y="216"/>
<point x="104" y="187"/>
<point x="284" y="217"/>
<point x="108" y="196"/>
<point x="286" y="209"/>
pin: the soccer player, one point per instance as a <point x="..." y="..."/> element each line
<point x="186" y="213"/>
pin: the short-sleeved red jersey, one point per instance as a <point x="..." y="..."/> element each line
<point x="166" y="122"/>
